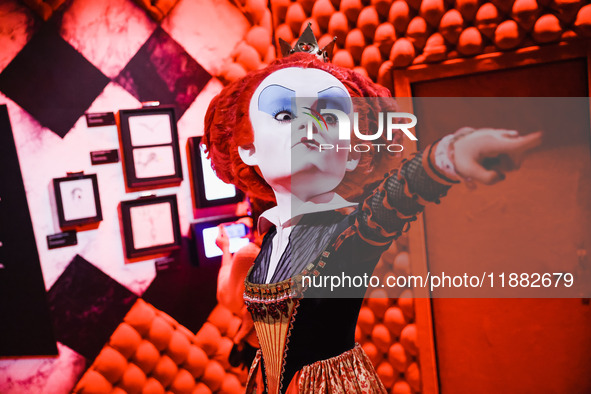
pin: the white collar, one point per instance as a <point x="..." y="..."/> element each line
<point x="272" y="217"/>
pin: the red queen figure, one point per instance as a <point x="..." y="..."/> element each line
<point x="324" y="222"/>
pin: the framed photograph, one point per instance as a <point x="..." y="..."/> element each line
<point x="204" y="234"/>
<point x="150" y="225"/>
<point x="77" y="199"/>
<point x="149" y="146"/>
<point x="208" y="189"/>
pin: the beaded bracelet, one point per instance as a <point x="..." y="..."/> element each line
<point x="461" y="133"/>
<point x="432" y="169"/>
<point x="442" y="159"/>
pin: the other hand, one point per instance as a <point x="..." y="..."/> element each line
<point x="222" y="240"/>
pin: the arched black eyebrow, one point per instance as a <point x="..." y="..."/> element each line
<point x="275" y="96"/>
<point x="336" y="98"/>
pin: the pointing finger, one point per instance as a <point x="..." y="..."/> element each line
<point x="530" y="141"/>
<point x="518" y="144"/>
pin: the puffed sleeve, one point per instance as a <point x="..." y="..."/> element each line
<point x="387" y="212"/>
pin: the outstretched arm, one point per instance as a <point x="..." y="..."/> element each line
<point x="471" y="155"/>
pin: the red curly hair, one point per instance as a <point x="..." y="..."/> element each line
<point x="228" y="126"/>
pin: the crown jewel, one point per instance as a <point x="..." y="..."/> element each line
<point x="307" y="43"/>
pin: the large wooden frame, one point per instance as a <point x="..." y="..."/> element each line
<point x="403" y="80"/>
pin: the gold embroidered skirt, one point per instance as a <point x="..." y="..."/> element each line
<point x="349" y="372"/>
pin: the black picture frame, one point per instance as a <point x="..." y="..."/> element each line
<point x="203" y="179"/>
<point x="203" y="234"/>
<point x="78" y="200"/>
<point x="150" y="225"/>
<point x="150" y="147"/>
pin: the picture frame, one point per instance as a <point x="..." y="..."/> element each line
<point x="205" y="232"/>
<point x="207" y="189"/>
<point x="78" y="200"/>
<point x="150" y="225"/>
<point x="150" y="147"/>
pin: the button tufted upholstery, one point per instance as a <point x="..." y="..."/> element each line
<point x="149" y="352"/>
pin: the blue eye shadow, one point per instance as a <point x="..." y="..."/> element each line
<point x="275" y="98"/>
<point x="335" y="98"/>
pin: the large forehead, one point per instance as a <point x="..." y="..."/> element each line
<point x="304" y="82"/>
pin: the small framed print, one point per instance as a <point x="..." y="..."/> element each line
<point x="150" y="148"/>
<point x="77" y="199"/>
<point x="208" y="190"/>
<point x="150" y="225"/>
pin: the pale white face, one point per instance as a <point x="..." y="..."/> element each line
<point x="286" y="158"/>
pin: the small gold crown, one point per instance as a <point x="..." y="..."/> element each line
<point x="307" y="43"/>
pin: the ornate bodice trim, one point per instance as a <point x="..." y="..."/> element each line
<point x="273" y="308"/>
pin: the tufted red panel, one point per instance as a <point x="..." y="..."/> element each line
<point x="150" y="352"/>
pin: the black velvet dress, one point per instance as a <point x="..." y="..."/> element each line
<point x="299" y="324"/>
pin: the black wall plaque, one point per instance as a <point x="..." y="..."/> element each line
<point x="26" y="328"/>
<point x="104" y="156"/>
<point x="59" y="240"/>
<point x="100" y="119"/>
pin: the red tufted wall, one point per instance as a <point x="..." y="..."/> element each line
<point x="150" y="352"/>
<point x="373" y="37"/>
<point x="387" y="328"/>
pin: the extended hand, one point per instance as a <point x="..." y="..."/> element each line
<point x="485" y="155"/>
